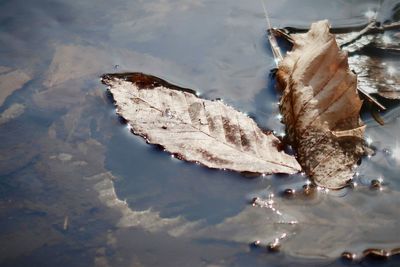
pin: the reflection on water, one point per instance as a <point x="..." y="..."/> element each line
<point x="64" y="154"/>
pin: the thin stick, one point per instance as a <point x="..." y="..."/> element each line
<point x="371" y="99"/>
<point x="276" y="52"/>
<point x="359" y="34"/>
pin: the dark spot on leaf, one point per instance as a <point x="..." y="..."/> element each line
<point x="230" y="131"/>
<point x="210" y="157"/>
<point x="244" y="140"/>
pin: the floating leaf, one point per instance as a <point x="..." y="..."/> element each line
<point x="194" y="129"/>
<point x="320" y="106"/>
<point x="367" y="45"/>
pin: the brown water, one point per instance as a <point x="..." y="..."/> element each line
<point x="77" y="189"/>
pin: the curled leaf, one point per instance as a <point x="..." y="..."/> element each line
<point x="320" y="106"/>
<point x="194" y="129"/>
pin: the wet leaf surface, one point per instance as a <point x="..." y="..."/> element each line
<point x="194" y="129"/>
<point x="320" y="106"/>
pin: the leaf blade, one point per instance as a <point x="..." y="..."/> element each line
<point x="194" y="129"/>
<point x="320" y="107"/>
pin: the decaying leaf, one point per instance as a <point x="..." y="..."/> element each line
<point x="194" y="129"/>
<point x="366" y="44"/>
<point x="320" y="106"/>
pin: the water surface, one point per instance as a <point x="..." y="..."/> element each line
<point x="77" y="189"/>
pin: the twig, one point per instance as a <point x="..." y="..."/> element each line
<point x="376" y="28"/>
<point x="276" y="51"/>
<point x="372" y="27"/>
<point x="371" y="99"/>
<point x="361" y="33"/>
<point x="281" y="33"/>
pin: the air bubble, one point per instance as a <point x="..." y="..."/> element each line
<point x="376" y="184"/>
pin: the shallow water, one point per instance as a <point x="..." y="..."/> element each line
<point x="77" y="189"/>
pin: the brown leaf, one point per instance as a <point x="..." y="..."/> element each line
<point x="320" y="106"/>
<point x="194" y="129"/>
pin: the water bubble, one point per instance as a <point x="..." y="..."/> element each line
<point x="255" y="244"/>
<point x="255" y="201"/>
<point x="375" y="184"/>
<point x="289" y="193"/>
<point x="308" y="189"/>
<point x="349" y="256"/>
<point x="274" y="246"/>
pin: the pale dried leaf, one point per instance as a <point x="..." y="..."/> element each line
<point x="194" y="129"/>
<point x="320" y="102"/>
